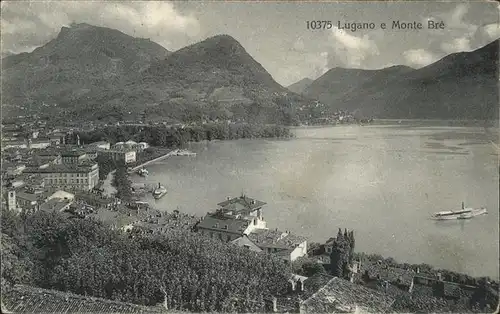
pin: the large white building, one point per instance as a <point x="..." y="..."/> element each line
<point x="234" y="217"/>
<point x="125" y="156"/>
<point x="83" y="176"/>
<point x="240" y="220"/>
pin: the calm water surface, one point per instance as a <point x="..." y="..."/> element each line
<point x="381" y="181"/>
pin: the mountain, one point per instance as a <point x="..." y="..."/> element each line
<point x="300" y="86"/>
<point x="215" y="79"/>
<point x="339" y="85"/>
<point x="82" y="57"/>
<point x="459" y="86"/>
<point x="100" y="73"/>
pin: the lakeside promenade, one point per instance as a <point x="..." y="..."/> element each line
<point x="170" y="153"/>
<point x="107" y="185"/>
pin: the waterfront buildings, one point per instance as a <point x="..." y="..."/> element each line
<point x="240" y="220"/>
<point x="234" y="217"/>
<point x="284" y="244"/>
<point x="76" y="172"/>
<point x="121" y="156"/>
<point x="83" y="176"/>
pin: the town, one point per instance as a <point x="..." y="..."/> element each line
<point x="218" y="157"/>
<point x="53" y="171"/>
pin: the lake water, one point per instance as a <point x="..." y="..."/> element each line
<point x="382" y="181"/>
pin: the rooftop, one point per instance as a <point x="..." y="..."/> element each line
<point x="26" y="299"/>
<point x="98" y="143"/>
<point x="230" y="225"/>
<point x="340" y="293"/>
<point x="64" y="168"/>
<point x="391" y="274"/>
<point x="73" y="153"/>
<point x="275" y="238"/>
<point x="30" y="196"/>
<point x="54" y="205"/>
<point x="242" y="203"/>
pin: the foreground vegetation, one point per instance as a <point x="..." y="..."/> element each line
<point x="192" y="272"/>
<point x="170" y="136"/>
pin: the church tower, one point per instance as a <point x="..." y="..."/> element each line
<point x="11" y="200"/>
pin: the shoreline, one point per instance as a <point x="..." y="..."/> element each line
<point x="151" y="161"/>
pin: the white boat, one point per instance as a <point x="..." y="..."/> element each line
<point x="143" y="172"/>
<point x="464" y="213"/>
<point x="159" y="192"/>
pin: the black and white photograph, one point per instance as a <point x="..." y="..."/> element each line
<point x="250" y="156"/>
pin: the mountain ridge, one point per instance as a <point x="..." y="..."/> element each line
<point x="94" y="71"/>
<point x="81" y="57"/>
<point x="444" y="89"/>
<point x="299" y="86"/>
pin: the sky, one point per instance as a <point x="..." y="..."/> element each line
<point x="273" y="33"/>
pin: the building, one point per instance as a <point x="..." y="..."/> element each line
<point x="123" y="156"/>
<point x="12" y="169"/>
<point x="73" y="156"/>
<point x="92" y="152"/>
<point x="50" y="154"/>
<point x="244" y="207"/>
<point x="38" y="143"/>
<point x="11" y="200"/>
<point x="83" y="176"/>
<point x="100" y="145"/>
<point x="284" y="244"/>
<point x="29" y="200"/>
<point x="63" y="195"/>
<point x="27" y="299"/>
<point x="246" y="243"/>
<point x="224" y="228"/>
<point x="234" y="218"/>
<point x="339" y="295"/>
<point x="55" y="205"/>
<point x="57" y="138"/>
<point x="14" y="144"/>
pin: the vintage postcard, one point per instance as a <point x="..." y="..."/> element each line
<point x="250" y="156"/>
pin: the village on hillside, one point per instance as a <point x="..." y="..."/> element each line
<point x="64" y="177"/>
<point x="128" y="129"/>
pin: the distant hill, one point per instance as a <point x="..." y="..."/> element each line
<point x="100" y="72"/>
<point x="460" y="86"/>
<point x="339" y="85"/>
<point x="300" y="86"/>
<point x="81" y="58"/>
<point x="212" y="79"/>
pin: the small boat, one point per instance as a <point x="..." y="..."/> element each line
<point x="184" y="152"/>
<point x="143" y="172"/>
<point x="159" y="192"/>
<point x="464" y="213"/>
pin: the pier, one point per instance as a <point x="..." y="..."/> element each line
<point x="151" y="161"/>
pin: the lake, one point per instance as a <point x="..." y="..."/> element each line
<point x="382" y="181"/>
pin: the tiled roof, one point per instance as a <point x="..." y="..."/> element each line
<point x="242" y="203"/>
<point x="342" y="294"/>
<point x="314" y="283"/>
<point x="391" y="274"/>
<point x="230" y="225"/>
<point x="30" y="196"/>
<point x="98" y="143"/>
<point x="63" y="168"/>
<point x="275" y="239"/>
<point x="54" y="205"/>
<point x="26" y="299"/>
<point x="73" y="153"/>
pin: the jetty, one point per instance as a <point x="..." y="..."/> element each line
<point x="150" y="161"/>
